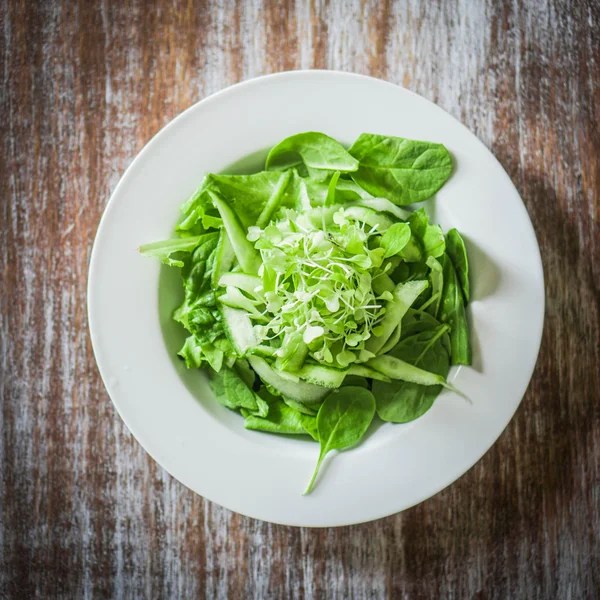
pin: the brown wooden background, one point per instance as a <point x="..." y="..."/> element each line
<point x="84" y="512"/>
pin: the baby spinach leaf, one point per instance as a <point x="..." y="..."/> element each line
<point x="395" y="239"/>
<point x="434" y="243"/>
<point x="281" y="418"/>
<point x="403" y="171"/>
<point x="343" y="419"/>
<point x="452" y="311"/>
<point x="418" y="221"/>
<point x="431" y="237"/>
<point x="416" y="321"/>
<point x="400" y="401"/>
<point x="312" y="149"/>
<point x="455" y="247"/>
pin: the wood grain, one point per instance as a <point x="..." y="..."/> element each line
<point x="84" y="512"/>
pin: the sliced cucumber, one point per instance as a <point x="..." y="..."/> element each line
<point x="224" y="258"/>
<point x="238" y="329"/>
<point x="392" y="341"/>
<point x="404" y="296"/>
<point x="384" y="205"/>
<point x="362" y="371"/>
<point x="292" y="354"/>
<point x="398" y="369"/>
<point x="274" y="200"/>
<point x="322" y="376"/>
<point x="245" y="252"/>
<point x="246" y="283"/>
<point x="370" y="217"/>
<point x="306" y="393"/>
<point x="235" y="299"/>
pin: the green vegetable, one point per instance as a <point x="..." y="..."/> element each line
<point x="165" y="250"/>
<point x="232" y="392"/>
<point x="306" y="286"/>
<point x="403" y="171"/>
<point x="395" y="238"/>
<point x="455" y="247"/>
<point x="244" y="251"/>
<point x="314" y="150"/>
<point x="401" y="401"/>
<point x="281" y="418"/>
<point x="436" y="280"/>
<point x="342" y="421"/>
<point x="452" y="311"/>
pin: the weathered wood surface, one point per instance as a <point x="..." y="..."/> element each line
<point x="84" y="511"/>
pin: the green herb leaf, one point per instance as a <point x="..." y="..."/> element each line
<point x="343" y="419"/>
<point x="395" y="238"/>
<point x="314" y="150"/>
<point x="400" y="401"/>
<point x="403" y="171"/>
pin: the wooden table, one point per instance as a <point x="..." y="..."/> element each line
<point x="84" y="511"/>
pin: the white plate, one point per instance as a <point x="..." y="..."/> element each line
<point x="171" y="410"/>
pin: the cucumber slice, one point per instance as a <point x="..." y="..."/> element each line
<point x="273" y="202"/>
<point x="224" y="258"/>
<point x="235" y="299"/>
<point x="362" y="371"/>
<point x="238" y="329"/>
<point x="370" y="217"/>
<point x="246" y="283"/>
<point x="384" y="205"/>
<point x="306" y="393"/>
<point x="322" y="376"/>
<point x="398" y="369"/>
<point x="392" y="341"/>
<point x="404" y="296"/>
<point x="245" y="252"/>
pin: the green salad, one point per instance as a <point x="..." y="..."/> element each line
<point x="312" y="297"/>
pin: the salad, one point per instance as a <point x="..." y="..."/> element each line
<point x="315" y="301"/>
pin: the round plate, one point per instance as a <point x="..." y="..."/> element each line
<point x="171" y="411"/>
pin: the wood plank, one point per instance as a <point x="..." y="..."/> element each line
<point x="83" y="510"/>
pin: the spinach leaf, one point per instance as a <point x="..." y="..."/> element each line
<point x="455" y="247"/>
<point x="312" y="149"/>
<point x="400" y="401"/>
<point x="395" y="239"/>
<point x="452" y="311"/>
<point x="434" y="243"/>
<point x="281" y="418"/>
<point x="343" y="419"/>
<point x="403" y="171"/>
<point x="416" y="321"/>
<point x="232" y="392"/>
<point x="431" y="237"/>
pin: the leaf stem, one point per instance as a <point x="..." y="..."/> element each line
<point x="314" y="475"/>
